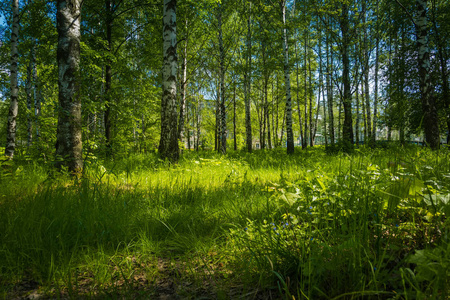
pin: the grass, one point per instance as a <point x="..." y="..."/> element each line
<point x="368" y="225"/>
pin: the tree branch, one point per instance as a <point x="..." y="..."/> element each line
<point x="406" y="11"/>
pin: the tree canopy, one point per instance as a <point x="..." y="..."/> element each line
<point x="249" y="74"/>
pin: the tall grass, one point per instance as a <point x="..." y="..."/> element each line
<point x="310" y="225"/>
<point x="348" y="226"/>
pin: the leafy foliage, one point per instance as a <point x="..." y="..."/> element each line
<point x="308" y="225"/>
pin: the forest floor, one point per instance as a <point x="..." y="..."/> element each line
<point x="172" y="280"/>
<point x="266" y="225"/>
<point x="169" y="284"/>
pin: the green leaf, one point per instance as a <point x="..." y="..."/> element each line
<point x="289" y="198"/>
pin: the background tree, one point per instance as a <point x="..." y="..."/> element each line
<point x="69" y="141"/>
<point x="248" y="78"/>
<point x="14" y="105"/>
<point x="121" y="62"/>
<point x="440" y="15"/>
<point x="168" y="145"/>
<point x="430" y="116"/>
<point x="287" y="76"/>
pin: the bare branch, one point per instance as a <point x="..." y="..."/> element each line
<point x="407" y="12"/>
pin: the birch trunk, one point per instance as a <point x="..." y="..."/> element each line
<point x="269" y="139"/>
<point x="430" y="118"/>
<point x="168" y="145"/>
<point x="347" y="130"/>
<point x="68" y="136"/>
<point x="282" y="129"/>
<point x="188" y="133"/>
<point x="316" y="118"/>
<point x="108" y="78"/>
<point x="357" y="117"/>
<point x="322" y="88"/>
<point x="289" y="132"/>
<point x="330" y="91"/>
<point x="14" y="105"/>
<point x="143" y="141"/>
<point x="375" y="100"/>
<point x="311" y="94"/>
<point x="400" y="89"/>
<point x="265" y="95"/>
<point x="247" y="82"/>
<point x="366" y="73"/>
<point x="339" y="119"/>
<point x="444" y="73"/>
<point x="183" y="88"/>
<point x="37" y="100"/>
<point x="368" y="118"/>
<point x="274" y="129"/>
<point x="198" y="121"/>
<point x="223" y="121"/>
<point x="29" y="91"/>
<point x="217" y="125"/>
<point x="234" y="117"/>
<point x="388" y="104"/>
<point x="298" y="90"/>
<point x="367" y="103"/>
<point x="263" y="110"/>
<point x="364" y="113"/>
<point x="259" y="115"/>
<point x="305" y="141"/>
<point x="276" y="136"/>
<point x="28" y="87"/>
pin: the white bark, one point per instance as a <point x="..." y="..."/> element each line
<point x="289" y="132"/>
<point x="375" y="101"/>
<point x="37" y="99"/>
<point x="68" y="137"/>
<point x="14" y="105"/>
<point x="247" y="83"/>
<point x="302" y="136"/>
<point x="168" y="145"/>
<point x="223" y="121"/>
<point x="183" y="89"/>
<point x="366" y="74"/>
<point x="330" y="89"/>
<point x="428" y="103"/>
<point x="28" y="90"/>
<point x="347" y="130"/>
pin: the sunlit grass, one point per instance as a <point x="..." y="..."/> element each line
<point x="308" y="225"/>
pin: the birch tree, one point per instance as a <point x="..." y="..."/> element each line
<point x="377" y="59"/>
<point x="14" y="105"/>
<point x="28" y="90"/>
<point x="183" y="85"/>
<point x="366" y="72"/>
<point x="168" y="145"/>
<point x="443" y="58"/>
<point x="347" y="130"/>
<point x="68" y="137"/>
<point x="222" y="112"/>
<point x="289" y="132"/>
<point x="108" y="75"/>
<point x="247" y="82"/>
<point x="329" y="58"/>
<point x="430" y="116"/>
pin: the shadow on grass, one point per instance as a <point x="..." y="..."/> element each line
<point x="49" y="237"/>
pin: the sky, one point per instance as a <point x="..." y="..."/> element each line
<point x="2" y="23"/>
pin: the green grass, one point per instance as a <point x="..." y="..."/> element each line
<point x="368" y="225"/>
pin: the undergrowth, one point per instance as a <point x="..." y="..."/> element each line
<point x="311" y="225"/>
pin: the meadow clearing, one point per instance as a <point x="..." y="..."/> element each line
<point x="261" y="225"/>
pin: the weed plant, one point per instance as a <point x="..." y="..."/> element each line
<point x="311" y="225"/>
<point x="366" y="225"/>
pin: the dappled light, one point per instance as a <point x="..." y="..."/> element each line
<point x="305" y="225"/>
